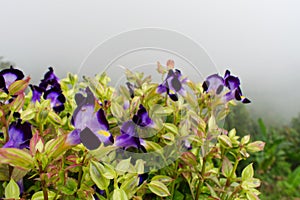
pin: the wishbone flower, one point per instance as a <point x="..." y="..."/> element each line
<point x="91" y="128"/>
<point x="50" y="89"/>
<point x="129" y="131"/>
<point x="173" y="85"/>
<point x="215" y="84"/>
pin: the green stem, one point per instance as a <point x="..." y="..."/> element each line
<point x="174" y="182"/>
<point x="203" y="178"/>
<point x="107" y="193"/>
<point x="80" y="173"/>
<point x="228" y="181"/>
<point x="43" y="182"/>
<point x="79" y="178"/>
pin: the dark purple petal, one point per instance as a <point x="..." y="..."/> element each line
<point x="161" y="89"/>
<point x="232" y="82"/>
<point x="227" y="74"/>
<point x="2" y="84"/>
<point x="102" y="119"/>
<point x="142" y="178"/>
<point x="174" y="97"/>
<point x="50" y="79"/>
<point x="57" y="99"/>
<point x="127" y="141"/>
<point x="36" y="93"/>
<point x="236" y="94"/>
<point x="19" y="135"/>
<point x="73" y="138"/>
<point x="142" y="118"/>
<point x="177" y="73"/>
<point x="245" y="100"/>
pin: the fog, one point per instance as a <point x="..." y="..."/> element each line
<point x="257" y="40"/>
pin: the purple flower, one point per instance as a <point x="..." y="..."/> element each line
<point x="50" y="89"/>
<point x="50" y="80"/>
<point x="142" y="118"/>
<point x="173" y="85"/>
<point x="56" y="97"/>
<point x="129" y="131"/>
<point x="233" y="83"/>
<point x="36" y="93"/>
<point x="8" y="76"/>
<point x="19" y="135"/>
<point x="142" y="178"/>
<point x="215" y="84"/>
<point x="92" y="126"/>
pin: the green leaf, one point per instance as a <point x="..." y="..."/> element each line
<point x="117" y="110"/>
<point x="102" y="151"/>
<point x="178" y="195"/>
<point x="40" y="196"/>
<point x="171" y="127"/>
<point x="18" y="86"/>
<point x="251" y="196"/>
<point x="123" y="166"/>
<point x="119" y="194"/>
<point x="159" y="188"/>
<point x="17" y="103"/>
<point x="263" y="128"/>
<point x="212" y="124"/>
<point x="232" y="133"/>
<point x="54" y="118"/>
<point x="130" y="185"/>
<point x="16" y="157"/>
<point x="255" y="146"/>
<point x="189" y="158"/>
<point x="4" y="172"/>
<point x="248" y="172"/>
<point x="28" y="114"/>
<point x="106" y="170"/>
<point x="226" y="167"/>
<point x="225" y="141"/>
<point x="56" y="147"/>
<point x="97" y="177"/>
<point x="12" y="190"/>
<point x="139" y="166"/>
<point x="153" y="146"/>
<point x="162" y="179"/>
<point x="70" y="187"/>
<point x="250" y="183"/>
<point x="162" y="111"/>
<point x="18" y="174"/>
<point x="169" y="138"/>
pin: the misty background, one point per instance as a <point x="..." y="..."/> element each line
<point x="257" y="40"/>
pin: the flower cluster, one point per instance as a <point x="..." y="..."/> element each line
<point x="64" y="138"/>
<point x="49" y="88"/>
<point x="215" y="84"/>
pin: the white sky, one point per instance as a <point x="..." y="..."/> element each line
<point x="258" y="39"/>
